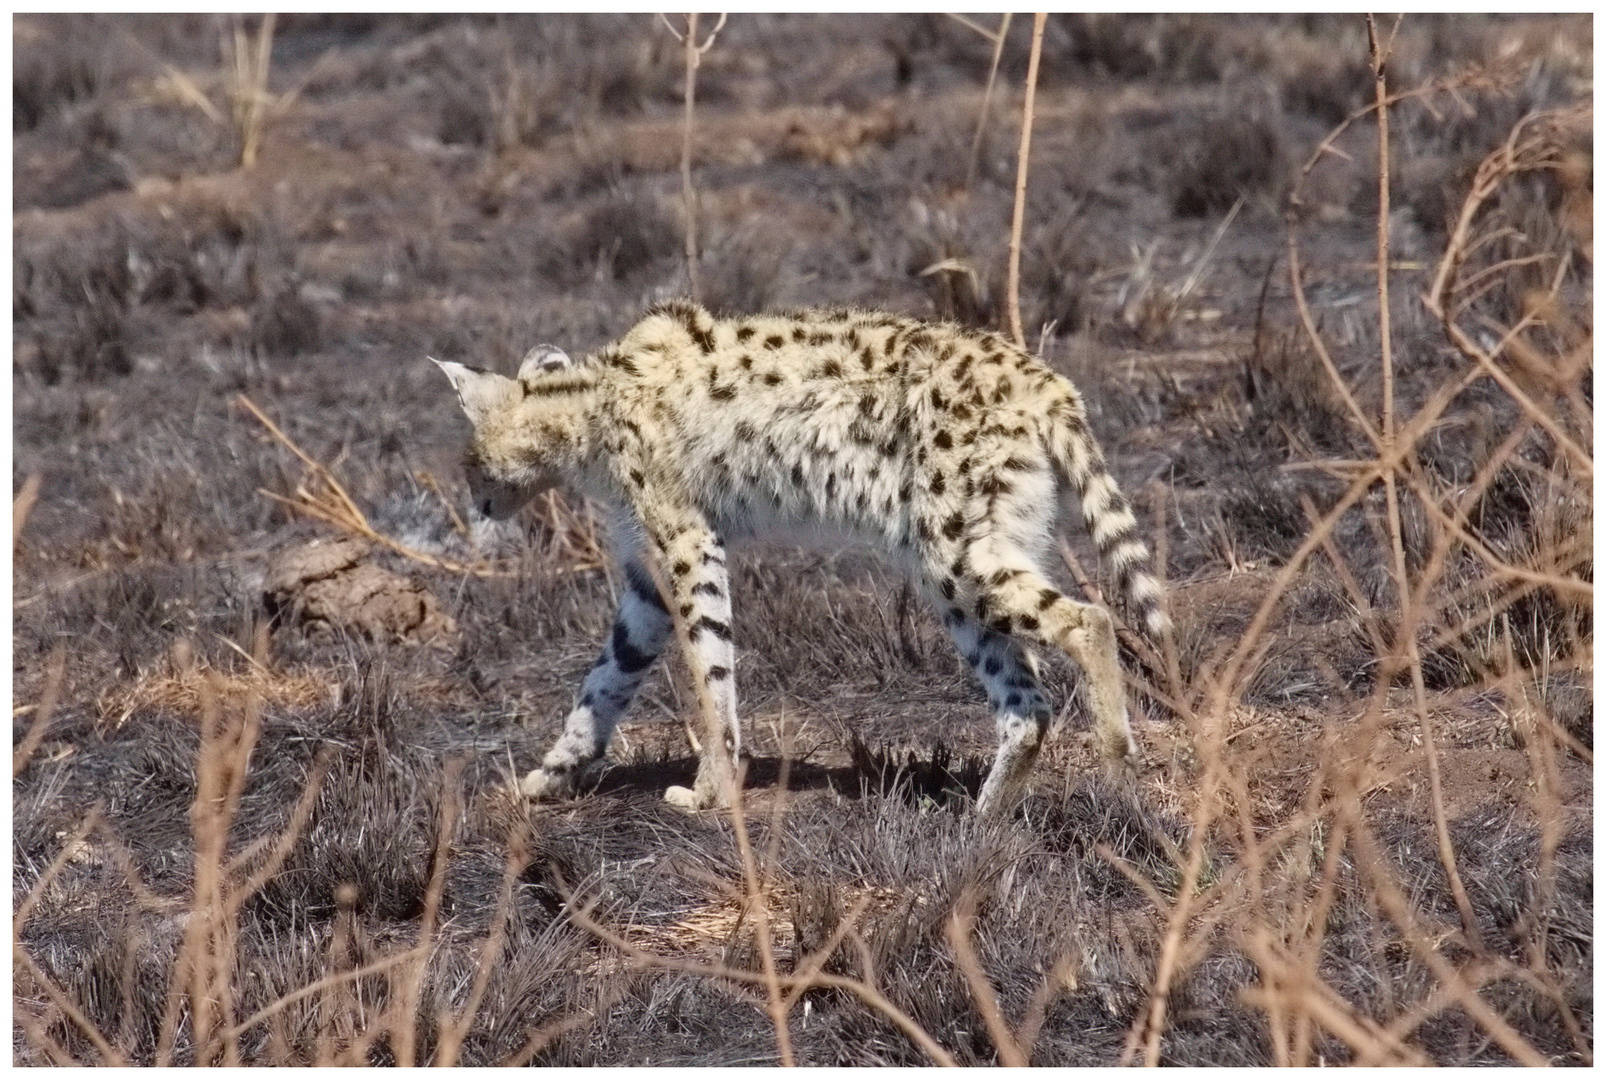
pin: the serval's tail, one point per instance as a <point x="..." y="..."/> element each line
<point x="1109" y="518"/>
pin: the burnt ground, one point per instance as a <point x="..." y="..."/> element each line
<point x="465" y="187"/>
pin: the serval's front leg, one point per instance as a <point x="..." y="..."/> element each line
<point x="640" y="630"/>
<point x="693" y="561"/>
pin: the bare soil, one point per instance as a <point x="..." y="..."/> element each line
<point x="465" y="187"/>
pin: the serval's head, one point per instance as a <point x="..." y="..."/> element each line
<point x="528" y="431"/>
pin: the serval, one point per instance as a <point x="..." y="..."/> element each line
<point x="944" y="446"/>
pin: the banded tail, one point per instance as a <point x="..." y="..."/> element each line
<point x="1109" y="519"/>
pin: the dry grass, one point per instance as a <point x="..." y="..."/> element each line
<point x="1361" y="836"/>
<point x="187" y="692"/>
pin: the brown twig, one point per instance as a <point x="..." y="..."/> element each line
<point x="961" y="921"/>
<point x="1017" y="220"/>
<point x="1409" y="610"/>
<point x="694" y="59"/>
<point x="329" y="502"/>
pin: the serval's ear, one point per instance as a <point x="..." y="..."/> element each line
<point x="543" y="360"/>
<point x="478" y="391"/>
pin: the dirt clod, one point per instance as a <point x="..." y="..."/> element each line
<point x="330" y="583"/>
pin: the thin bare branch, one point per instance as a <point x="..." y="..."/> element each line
<point x="987" y="95"/>
<point x="1022" y="160"/>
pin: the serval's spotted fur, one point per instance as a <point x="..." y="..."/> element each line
<point x="941" y="445"/>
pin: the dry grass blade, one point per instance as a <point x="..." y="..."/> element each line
<point x="862" y="990"/>
<point x="109" y="1055"/>
<point x="383" y="964"/>
<point x="72" y="847"/>
<point x="55" y="671"/>
<point x="329" y="502"/>
<point x="403" y="1012"/>
<point x="455" y="1029"/>
<point x="998" y="39"/>
<point x="552" y="1030"/>
<point x="1286" y="988"/>
<point x="961" y="921"/>
<point x="248" y="87"/>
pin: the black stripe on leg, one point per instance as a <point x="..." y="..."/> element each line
<point x="627" y="656"/>
<point x="641" y="583"/>
<point x="715" y="627"/>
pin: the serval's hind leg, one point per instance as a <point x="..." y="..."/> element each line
<point x="1020" y="708"/>
<point x="1011" y="597"/>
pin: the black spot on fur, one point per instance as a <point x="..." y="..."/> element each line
<point x="954" y="526"/>
<point x="943" y="440"/>
<point x="718" y="673"/>
<point x="614" y="358"/>
<point x="744" y="333"/>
